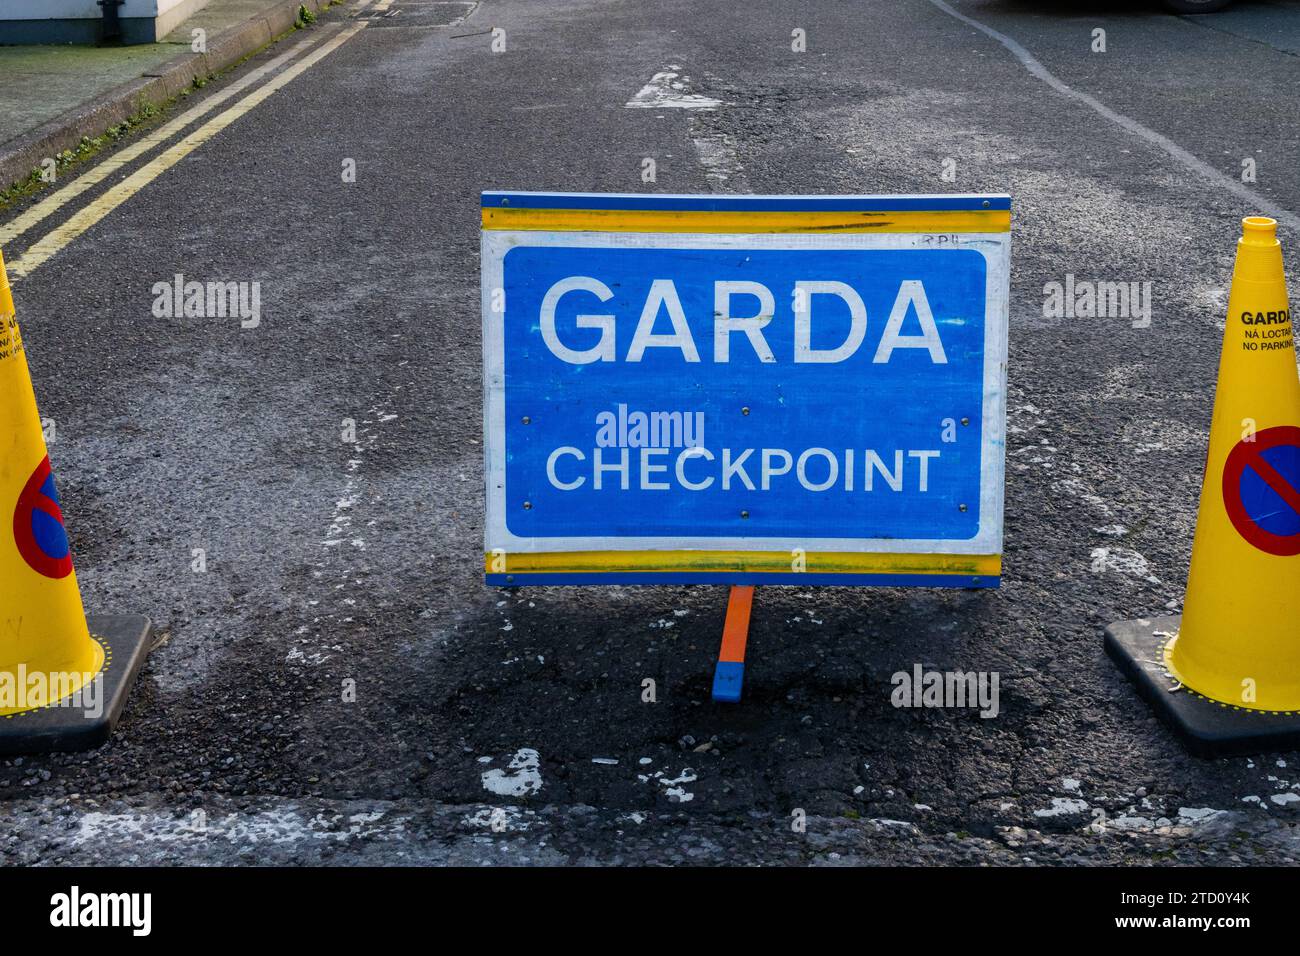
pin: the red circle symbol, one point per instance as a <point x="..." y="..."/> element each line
<point x="1262" y="492"/>
<point x="38" y="525"/>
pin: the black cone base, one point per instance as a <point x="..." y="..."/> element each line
<point x="126" y="638"/>
<point x="1207" y="728"/>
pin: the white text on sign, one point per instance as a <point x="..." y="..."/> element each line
<point x="663" y="297"/>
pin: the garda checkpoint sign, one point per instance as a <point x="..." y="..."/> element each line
<point x="744" y="389"/>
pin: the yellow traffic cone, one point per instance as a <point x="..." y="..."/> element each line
<point x="1240" y="637"/>
<point x="60" y="688"/>
<point x="1235" y="651"/>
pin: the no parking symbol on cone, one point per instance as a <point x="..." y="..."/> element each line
<point x="38" y="526"/>
<point x="1261" y="490"/>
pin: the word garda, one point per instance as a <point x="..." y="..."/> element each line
<point x="663" y="297"/>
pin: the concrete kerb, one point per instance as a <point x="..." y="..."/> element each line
<point x="20" y="157"/>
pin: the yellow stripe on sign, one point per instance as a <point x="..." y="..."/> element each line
<point x="824" y="562"/>
<point x="53" y="242"/>
<point x="128" y="154"/>
<point x="819" y="223"/>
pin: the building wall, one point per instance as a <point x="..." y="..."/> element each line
<point x="78" y="21"/>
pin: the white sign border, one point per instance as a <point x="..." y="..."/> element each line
<point x="996" y="249"/>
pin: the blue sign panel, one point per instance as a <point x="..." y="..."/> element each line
<point x="722" y="406"/>
<point x="774" y="444"/>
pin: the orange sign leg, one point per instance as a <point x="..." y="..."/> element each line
<point x="729" y="676"/>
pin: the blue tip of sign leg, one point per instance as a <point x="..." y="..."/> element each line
<point x="728" y="679"/>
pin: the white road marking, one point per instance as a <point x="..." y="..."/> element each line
<point x="1061" y="806"/>
<point x="673" y="788"/>
<point x="342" y="531"/>
<point x="717" y="151"/>
<point x="522" y="776"/>
<point x="286" y="824"/>
<point x="1123" y="561"/>
<point x="669" y="90"/>
<point x="1201" y="168"/>
<point x="501" y="819"/>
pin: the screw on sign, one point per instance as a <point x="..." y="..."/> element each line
<point x="1261" y="490"/>
<point x="38" y="525"/>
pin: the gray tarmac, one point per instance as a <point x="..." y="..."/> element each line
<point x="478" y="713"/>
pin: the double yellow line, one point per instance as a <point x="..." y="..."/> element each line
<point x="50" y="244"/>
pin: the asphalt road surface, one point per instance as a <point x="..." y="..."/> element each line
<point x="509" y="727"/>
